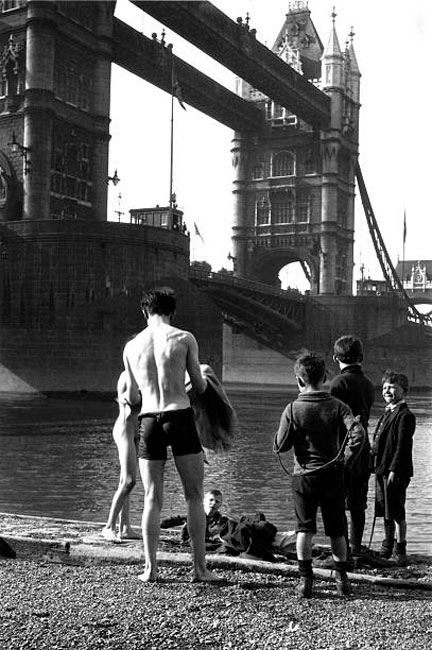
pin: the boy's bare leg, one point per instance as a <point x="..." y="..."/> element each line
<point x="191" y="471"/>
<point x="401" y="530"/>
<point x="152" y="474"/>
<point x="339" y="548"/>
<point x="304" y="545"/>
<point x="125" y="529"/>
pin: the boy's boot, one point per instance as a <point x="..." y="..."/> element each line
<point x="388" y="542"/>
<point x="304" y="587"/>
<point x="400" y="554"/>
<point x="343" y="585"/>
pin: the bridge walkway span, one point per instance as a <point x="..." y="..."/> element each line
<point x="279" y="319"/>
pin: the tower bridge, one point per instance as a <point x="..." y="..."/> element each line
<point x="70" y="280"/>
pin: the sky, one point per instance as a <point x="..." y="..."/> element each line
<point x="392" y="43"/>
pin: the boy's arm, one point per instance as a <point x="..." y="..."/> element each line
<point x="131" y="394"/>
<point x="405" y="430"/>
<point x="356" y="435"/>
<point x="284" y="437"/>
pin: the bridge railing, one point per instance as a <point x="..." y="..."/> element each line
<point x="243" y="283"/>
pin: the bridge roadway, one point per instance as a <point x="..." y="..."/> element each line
<point x="230" y="43"/>
<point x="282" y="320"/>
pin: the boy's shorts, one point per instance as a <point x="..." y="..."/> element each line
<point x="356" y="490"/>
<point x="159" y="430"/>
<point x="390" y="499"/>
<point x="325" y="490"/>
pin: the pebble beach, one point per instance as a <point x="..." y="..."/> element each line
<point x="69" y="589"/>
<point x="54" y="606"/>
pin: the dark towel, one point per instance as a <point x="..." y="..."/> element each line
<point x="214" y="415"/>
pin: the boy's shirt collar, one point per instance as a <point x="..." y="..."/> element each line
<point x="394" y="405"/>
<point x="354" y="367"/>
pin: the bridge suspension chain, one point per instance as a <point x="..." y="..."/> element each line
<point x="387" y="267"/>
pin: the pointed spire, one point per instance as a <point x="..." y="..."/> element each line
<point x="332" y="59"/>
<point x="353" y="59"/>
<point x="333" y="47"/>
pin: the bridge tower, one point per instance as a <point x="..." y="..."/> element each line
<point x="294" y="186"/>
<point x="55" y="62"/>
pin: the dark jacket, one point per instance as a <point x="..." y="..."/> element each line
<point x="354" y="388"/>
<point x="393" y="441"/>
<point x="320" y="423"/>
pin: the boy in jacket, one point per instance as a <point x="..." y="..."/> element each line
<point x="392" y="453"/>
<point x="314" y="425"/>
<point x="354" y="388"/>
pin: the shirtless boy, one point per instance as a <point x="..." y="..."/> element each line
<point x="156" y="362"/>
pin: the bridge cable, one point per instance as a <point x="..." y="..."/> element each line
<point x="387" y="267"/>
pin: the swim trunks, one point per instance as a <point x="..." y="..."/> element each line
<point x="159" y="430"/>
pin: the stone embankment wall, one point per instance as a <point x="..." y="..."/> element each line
<point x="70" y="298"/>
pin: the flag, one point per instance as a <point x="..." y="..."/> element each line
<point x="175" y="87"/>
<point x="404" y="228"/>
<point x="197" y="233"/>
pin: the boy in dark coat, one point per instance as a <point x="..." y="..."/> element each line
<point x="354" y="388"/>
<point x="392" y="452"/>
<point x="312" y="425"/>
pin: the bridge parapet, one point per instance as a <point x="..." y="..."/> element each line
<point x="244" y="283"/>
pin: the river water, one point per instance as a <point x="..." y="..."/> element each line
<point x="58" y="459"/>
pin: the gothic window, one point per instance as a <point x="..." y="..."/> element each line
<point x="57" y="183"/>
<point x="342" y="210"/>
<point x="283" y="164"/>
<point x="72" y="87"/>
<point x="282" y="207"/>
<point x="83" y="192"/>
<point x="11" y="66"/>
<point x="84" y="93"/>
<point x="262" y="212"/>
<point x="258" y="170"/>
<point x="303" y="208"/>
<point x="278" y="111"/>
<point x="70" y="186"/>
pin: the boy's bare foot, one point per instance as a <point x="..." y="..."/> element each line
<point x="207" y="576"/>
<point x="129" y="533"/>
<point x="110" y="535"/>
<point x="148" y="576"/>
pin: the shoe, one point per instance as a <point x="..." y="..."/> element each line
<point x="386" y="549"/>
<point x="304" y="587"/>
<point x="399" y="554"/>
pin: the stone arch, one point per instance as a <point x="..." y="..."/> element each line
<point x="265" y="264"/>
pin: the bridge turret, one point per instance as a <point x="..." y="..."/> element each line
<point x="333" y="74"/>
<point x="354" y="74"/>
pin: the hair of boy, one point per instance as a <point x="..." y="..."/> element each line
<point x="310" y="368"/>
<point x="348" y="349"/>
<point x="215" y="493"/>
<point x="160" y="301"/>
<point x="392" y="377"/>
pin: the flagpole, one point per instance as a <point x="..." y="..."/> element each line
<point x="172" y="139"/>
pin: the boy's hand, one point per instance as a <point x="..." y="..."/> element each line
<point x="391" y="478"/>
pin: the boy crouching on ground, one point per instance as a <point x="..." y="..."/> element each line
<point x="315" y="425"/>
